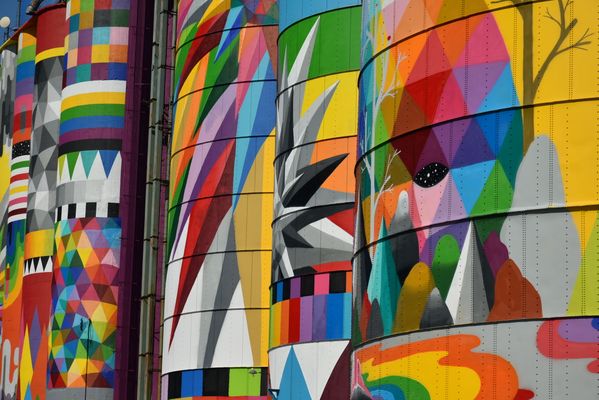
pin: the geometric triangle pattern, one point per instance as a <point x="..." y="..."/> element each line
<point x="440" y="131"/>
<point x="460" y="92"/>
<point x="44" y="145"/>
<point x="88" y="165"/>
<point x="38" y="265"/>
<point x="449" y="72"/>
<point x="85" y="295"/>
<point x="36" y="319"/>
<point x="41" y="202"/>
<point x="16" y="212"/>
<point x="310" y="371"/>
<point x="83" y="332"/>
<point x="293" y="382"/>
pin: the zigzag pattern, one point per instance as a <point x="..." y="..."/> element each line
<point x="38" y="265"/>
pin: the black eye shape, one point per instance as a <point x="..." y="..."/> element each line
<point x="430" y="175"/>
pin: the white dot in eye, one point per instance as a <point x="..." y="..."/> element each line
<point x="428" y="175"/>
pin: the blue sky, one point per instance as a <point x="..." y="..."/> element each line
<point x="9" y="8"/>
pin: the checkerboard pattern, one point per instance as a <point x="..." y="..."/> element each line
<point x="97" y="42"/>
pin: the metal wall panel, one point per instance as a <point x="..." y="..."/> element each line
<point x="219" y="235"/>
<point x="314" y="199"/>
<point x="478" y="188"/>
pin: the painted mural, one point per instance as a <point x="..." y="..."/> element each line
<point x="16" y="213"/>
<point x="317" y="120"/>
<point x="7" y="92"/>
<point x="88" y="226"/>
<point x="63" y="125"/>
<point x="478" y="198"/>
<point x="221" y="200"/>
<point x="515" y="360"/>
<point x="314" y="199"/>
<point x="8" y="371"/>
<point x="452" y="186"/>
<point x="39" y="238"/>
<point x="368" y="200"/>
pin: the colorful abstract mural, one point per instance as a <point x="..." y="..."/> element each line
<point x="314" y="199"/>
<point x="477" y="198"/>
<point x="219" y="236"/>
<point x="88" y="226"/>
<point x="359" y="199"/>
<point x="317" y="114"/>
<point x="8" y="373"/>
<point x="451" y="218"/>
<point x="7" y="90"/>
<point x="16" y="213"/>
<point x="516" y="360"/>
<point x="311" y="308"/>
<point x="39" y="238"/>
<point x="314" y="370"/>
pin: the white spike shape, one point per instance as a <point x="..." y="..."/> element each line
<point x="307" y="123"/>
<point x="299" y="70"/>
<point x="466" y="299"/>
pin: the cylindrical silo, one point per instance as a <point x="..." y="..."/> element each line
<point x="7" y="93"/>
<point x="85" y="288"/>
<point x="477" y="243"/>
<point x="17" y="211"/>
<point x="219" y="238"/>
<point x="310" y="325"/>
<point x="39" y="238"/>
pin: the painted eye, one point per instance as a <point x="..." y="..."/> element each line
<point x="431" y="175"/>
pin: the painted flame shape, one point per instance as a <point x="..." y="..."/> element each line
<point x="440" y="368"/>
<point x="571" y="339"/>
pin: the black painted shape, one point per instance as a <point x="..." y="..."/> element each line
<point x="375" y="322"/>
<point x="174" y="385"/>
<point x="405" y="254"/>
<point x="311" y="179"/>
<point x="337" y="282"/>
<point x="307" y="285"/>
<point x="216" y="382"/>
<point x="430" y="175"/>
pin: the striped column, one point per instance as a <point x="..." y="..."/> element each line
<point x="39" y="239"/>
<point x="17" y="211"/>
<point x="310" y="326"/>
<point x="219" y="236"/>
<point x="88" y="225"/>
<point x="8" y="374"/>
<point x="7" y="95"/>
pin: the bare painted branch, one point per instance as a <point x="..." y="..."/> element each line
<point x="566" y="29"/>
<point x="551" y="17"/>
<point x="580" y="44"/>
